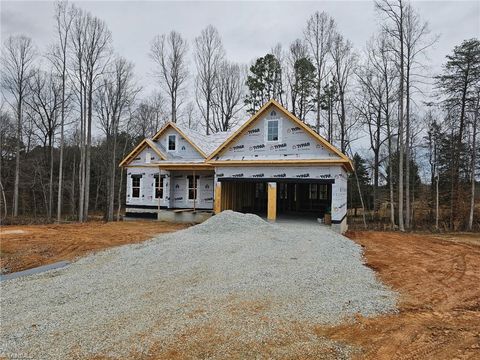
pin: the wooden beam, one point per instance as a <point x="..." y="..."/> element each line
<point x="217" y="206"/>
<point x="272" y="201"/>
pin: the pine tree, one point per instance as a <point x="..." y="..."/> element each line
<point x="303" y="88"/>
<point x="461" y="75"/>
<point x="264" y="82"/>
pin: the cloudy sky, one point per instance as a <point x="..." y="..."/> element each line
<point x="248" y="29"/>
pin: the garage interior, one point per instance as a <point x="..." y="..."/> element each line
<point x="281" y="198"/>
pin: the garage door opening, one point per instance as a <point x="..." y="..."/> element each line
<point x="304" y="199"/>
<point x="246" y="197"/>
<point x="300" y="198"/>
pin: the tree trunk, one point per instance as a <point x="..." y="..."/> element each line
<point x="89" y="148"/>
<point x="407" y="148"/>
<point x="17" y="157"/>
<point x="62" y="140"/>
<point x="50" y="182"/>
<point x="400" y="127"/>
<point x="472" y="178"/>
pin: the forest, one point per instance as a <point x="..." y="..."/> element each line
<point x="70" y="112"/>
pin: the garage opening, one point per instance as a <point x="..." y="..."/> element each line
<point x="246" y="197"/>
<point x="304" y="198"/>
<point x="294" y="197"/>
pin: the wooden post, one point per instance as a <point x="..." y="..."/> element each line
<point x="194" y="190"/>
<point x="272" y="201"/>
<point x="217" y="206"/>
<point x="155" y="191"/>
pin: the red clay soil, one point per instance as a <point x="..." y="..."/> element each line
<point x="25" y="247"/>
<point x="438" y="278"/>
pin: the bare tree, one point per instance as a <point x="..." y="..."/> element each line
<point x="475" y="116"/>
<point x="394" y="26"/>
<point x="318" y="34"/>
<point x="169" y="53"/>
<point x="114" y="97"/>
<point x="17" y="58"/>
<point x="44" y="101"/>
<point x="416" y="43"/>
<point x="64" y="16"/>
<point x="227" y="97"/>
<point x="345" y="61"/>
<point x="209" y="54"/>
<point x="90" y="47"/>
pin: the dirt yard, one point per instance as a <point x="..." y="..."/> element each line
<point x="25" y="247"/>
<point x="438" y="277"/>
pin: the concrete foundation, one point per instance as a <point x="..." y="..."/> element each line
<point x="196" y="217"/>
<point x="341" y="227"/>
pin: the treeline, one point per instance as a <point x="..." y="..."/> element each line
<point x="419" y="127"/>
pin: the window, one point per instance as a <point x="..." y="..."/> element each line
<point x="192" y="187"/>
<point x="318" y="192"/>
<point x="272" y="130"/>
<point x="148" y="157"/>
<point x="136" y="180"/>
<point x="159" y="185"/>
<point x="172" y="142"/>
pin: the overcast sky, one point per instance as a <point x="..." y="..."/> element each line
<point x="248" y="29"/>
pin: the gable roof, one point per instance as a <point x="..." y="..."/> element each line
<point x="208" y="143"/>
<point x="182" y="133"/>
<point x="143" y="144"/>
<point x="298" y="122"/>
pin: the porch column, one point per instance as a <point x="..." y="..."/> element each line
<point x="272" y="201"/>
<point x="217" y="206"/>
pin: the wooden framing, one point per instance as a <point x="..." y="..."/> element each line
<point x="143" y="144"/>
<point x="287" y="162"/>
<point x="172" y="125"/>
<point x="272" y="201"/>
<point x="177" y="166"/>
<point x="301" y="124"/>
<point x="217" y="204"/>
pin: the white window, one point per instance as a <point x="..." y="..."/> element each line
<point x="136" y="183"/>
<point x="148" y="157"/>
<point x="272" y="130"/>
<point x="192" y="187"/>
<point x="172" y="143"/>
<point x="159" y="185"/>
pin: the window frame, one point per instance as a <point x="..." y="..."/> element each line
<point x="168" y="142"/>
<point x="133" y="187"/>
<point x="267" y="132"/>
<point x="148" y="157"/>
<point x="194" y="188"/>
<point x="161" y="187"/>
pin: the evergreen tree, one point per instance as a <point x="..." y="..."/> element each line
<point x="360" y="167"/>
<point x="264" y="82"/>
<point x="458" y="83"/>
<point x="303" y="89"/>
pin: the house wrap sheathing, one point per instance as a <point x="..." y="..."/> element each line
<point x="273" y="165"/>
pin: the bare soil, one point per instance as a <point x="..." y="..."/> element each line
<point x="27" y="246"/>
<point x="438" y="278"/>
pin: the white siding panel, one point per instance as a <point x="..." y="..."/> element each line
<point x="293" y="143"/>
<point x="184" y="150"/>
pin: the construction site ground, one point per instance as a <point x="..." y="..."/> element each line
<point x="29" y="246"/>
<point x="437" y="277"/>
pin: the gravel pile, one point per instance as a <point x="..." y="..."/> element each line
<point x="235" y="274"/>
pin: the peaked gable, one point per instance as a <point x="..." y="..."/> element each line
<point x="168" y="127"/>
<point x="139" y="149"/>
<point x="297" y="141"/>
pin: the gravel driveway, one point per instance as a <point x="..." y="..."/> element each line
<point x="234" y="286"/>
